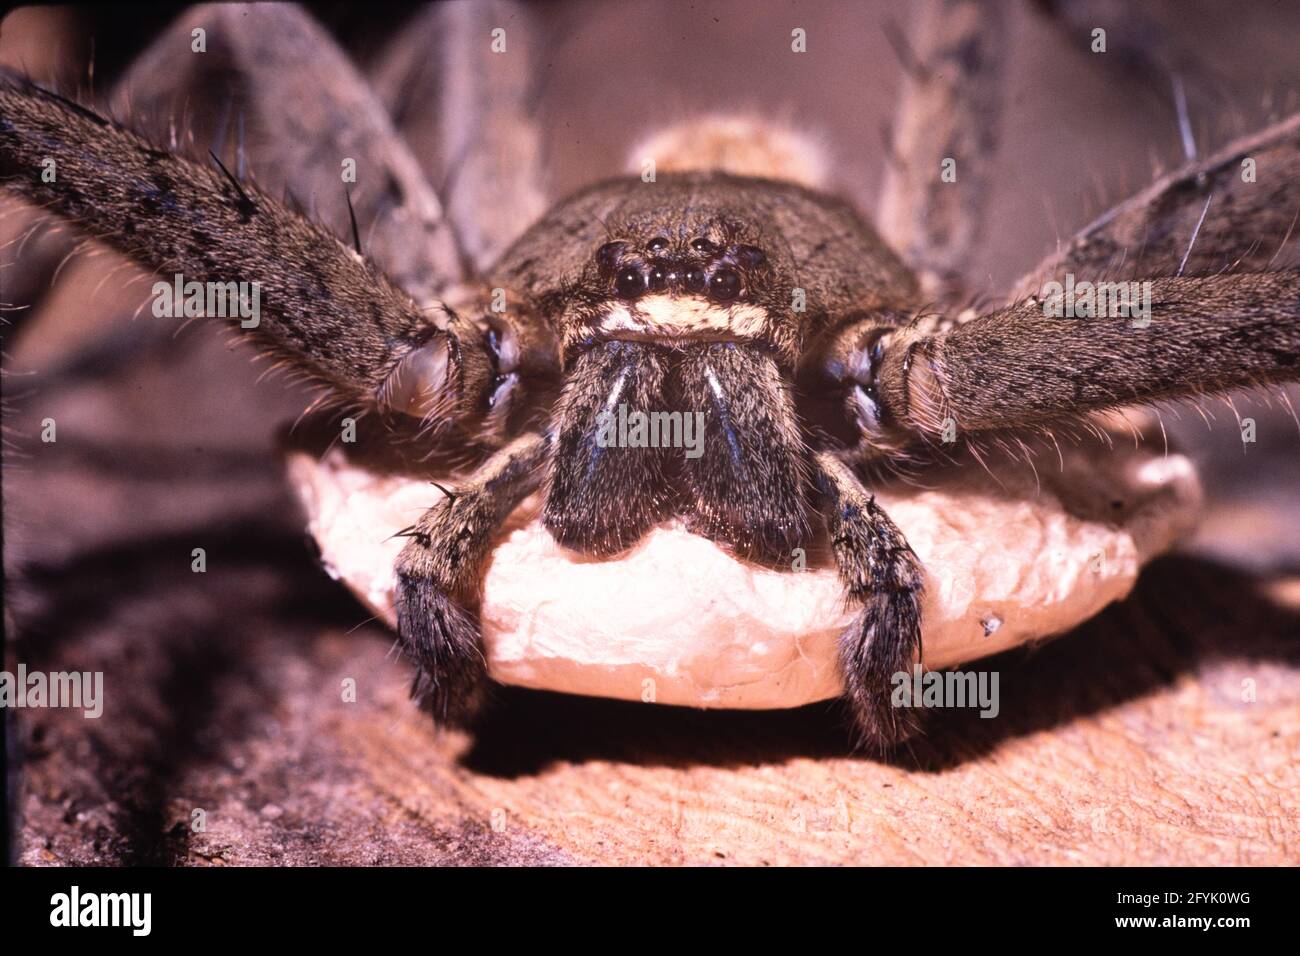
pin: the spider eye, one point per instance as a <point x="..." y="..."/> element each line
<point x="657" y="244"/>
<point x="751" y="256"/>
<point x="659" y="278"/>
<point x="701" y="245"/>
<point x="724" y="284"/>
<point x="630" y="283"/>
<point x="608" y="254"/>
<point x="695" y="280"/>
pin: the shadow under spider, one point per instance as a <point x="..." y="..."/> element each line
<point x="171" y="642"/>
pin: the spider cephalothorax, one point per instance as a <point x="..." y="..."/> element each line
<point x="737" y="258"/>
<point x="694" y="294"/>
<point x="768" y="312"/>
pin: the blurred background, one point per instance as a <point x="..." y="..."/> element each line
<point x="169" y="442"/>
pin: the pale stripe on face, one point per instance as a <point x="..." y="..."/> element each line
<point x="684" y="316"/>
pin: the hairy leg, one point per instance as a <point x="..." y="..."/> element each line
<point x="283" y="105"/>
<point x="949" y="109"/>
<point x="324" y="310"/>
<point x="1018" y="367"/>
<point x="439" y="577"/>
<point x="1150" y="52"/>
<point x="466" y="102"/>
<point x="884" y="577"/>
<point x="1202" y="219"/>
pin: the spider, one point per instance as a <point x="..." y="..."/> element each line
<point x="812" y="350"/>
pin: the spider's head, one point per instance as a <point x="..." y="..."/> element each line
<point x="681" y="277"/>
<point x="681" y="287"/>
<point x="696" y="258"/>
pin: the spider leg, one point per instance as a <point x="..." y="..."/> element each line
<point x="303" y="296"/>
<point x="439" y="574"/>
<point x="948" y="111"/>
<point x="1249" y="224"/>
<point x="883" y="575"/>
<point x="283" y="105"/>
<point x="463" y="95"/>
<point x="1149" y="51"/>
<point x="1019" y="367"/>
